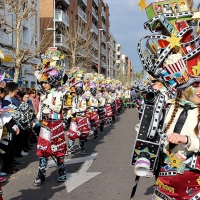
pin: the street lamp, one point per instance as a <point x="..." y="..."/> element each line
<point x="99" y="51"/>
<point x="107" y="66"/>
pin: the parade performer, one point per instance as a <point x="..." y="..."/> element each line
<point x="92" y="111"/>
<point x="79" y="127"/>
<point x="101" y="109"/>
<point x="175" y="60"/>
<point x="108" y="108"/>
<point x="51" y="141"/>
<point x="119" y="101"/>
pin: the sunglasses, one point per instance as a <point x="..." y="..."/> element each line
<point x="33" y="93"/>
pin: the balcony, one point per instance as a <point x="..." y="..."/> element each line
<point x="96" y="2"/>
<point x="103" y="26"/>
<point x="85" y="2"/>
<point x="103" y="51"/>
<point x="103" y="14"/>
<point x="94" y="58"/>
<point x="103" y="64"/>
<point x="60" y="41"/>
<point x="82" y="34"/>
<point x="95" y="44"/>
<point x="95" y="28"/>
<point x="60" y="16"/>
<point x="103" y="38"/>
<point x="82" y="14"/>
<point x="95" y="13"/>
<point x="81" y="51"/>
<point x="67" y="1"/>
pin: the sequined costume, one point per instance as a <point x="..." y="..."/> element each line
<point x="79" y="127"/>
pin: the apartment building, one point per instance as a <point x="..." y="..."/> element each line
<point x="129" y="70"/>
<point x="29" y="33"/>
<point x="112" y="56"/>
<point x="119" y="61"/>
<point x="94" y="13"/>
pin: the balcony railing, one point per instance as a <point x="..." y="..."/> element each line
<point x="60" y="16"/>
<point x="84" y="34"/>
<point x="103" y="26"/>
<point x="103" y="38"/>
<point x="95" y="44"/>
<point x="67" y="1"/>
<point x="94" y="12"/>
<point x="94" y="58"/>
<point x="103" y="64"/>
<point x="82" y="14"/>
<point x="103" y="14"/>
<point x="85" y="2"/>
<point x="95" y="28"/>
<point x="60" y="40"/>
<point x="81" y="51"/>
<point x="103" y="51"/>
<point x="96" y="2"/>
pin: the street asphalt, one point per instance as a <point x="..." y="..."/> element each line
<point x="104" y="173"/>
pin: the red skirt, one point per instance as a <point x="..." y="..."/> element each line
<point x="79" y="128"/>
<point x="94" y="120"/>
<point x="51" y="141"/>
<point x="179" y="186"/>
<point x="108" y="110"/>
<point x="118" y="103"/>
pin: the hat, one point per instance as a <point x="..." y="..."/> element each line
<point x="92" y="85"/>
<point x="50" y="70"/>
<point x="176" y="58"/>
<point x="78" y="84"/>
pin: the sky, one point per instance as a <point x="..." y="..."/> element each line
<point x="126" y="25"/>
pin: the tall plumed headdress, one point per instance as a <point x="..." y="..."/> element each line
<point x="51" y="70"/>
<point x="172" y="54"/>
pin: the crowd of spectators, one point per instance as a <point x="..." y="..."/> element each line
<point x="16" y="142"/>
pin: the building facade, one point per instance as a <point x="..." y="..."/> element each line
<point x="112" y="57"/>
<point x="119" y="61"/>
<point x="94" y="13"/>
<point x="29" y="40"/>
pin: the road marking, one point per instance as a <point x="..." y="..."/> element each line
<point x="74" y="180"/>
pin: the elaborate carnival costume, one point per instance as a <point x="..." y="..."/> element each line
<point x="51" y="141"/>
<point x="174" y="131"/>
<point x="101" y="109"/>
<point x="119" y="101"/>
<point x="109" y="101"/>
<point x="79" y="127"/>
<point x="92" y="111"/>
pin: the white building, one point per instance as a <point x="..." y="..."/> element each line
<point x="119" y="61"/>
<point x="112" y="57"/>
<point x="30" y="34"/>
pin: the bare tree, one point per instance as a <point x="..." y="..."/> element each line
<point x="20" y="10"/>
<point x="78" y="39"/>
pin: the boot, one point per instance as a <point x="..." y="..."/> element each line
<point x="82" y="146"/>
<point x="41" y="177"/>
<point x="101" y="128"/>
<point x="70" y="146"/>
<point x="113" y="119"/>
<point x="96" y="139"/>
<point x="62" y="173"/>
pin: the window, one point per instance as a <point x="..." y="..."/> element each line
<point x="32" y="84"/>
<point x="36" y="42"/>
<point x="26" y="37"/>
